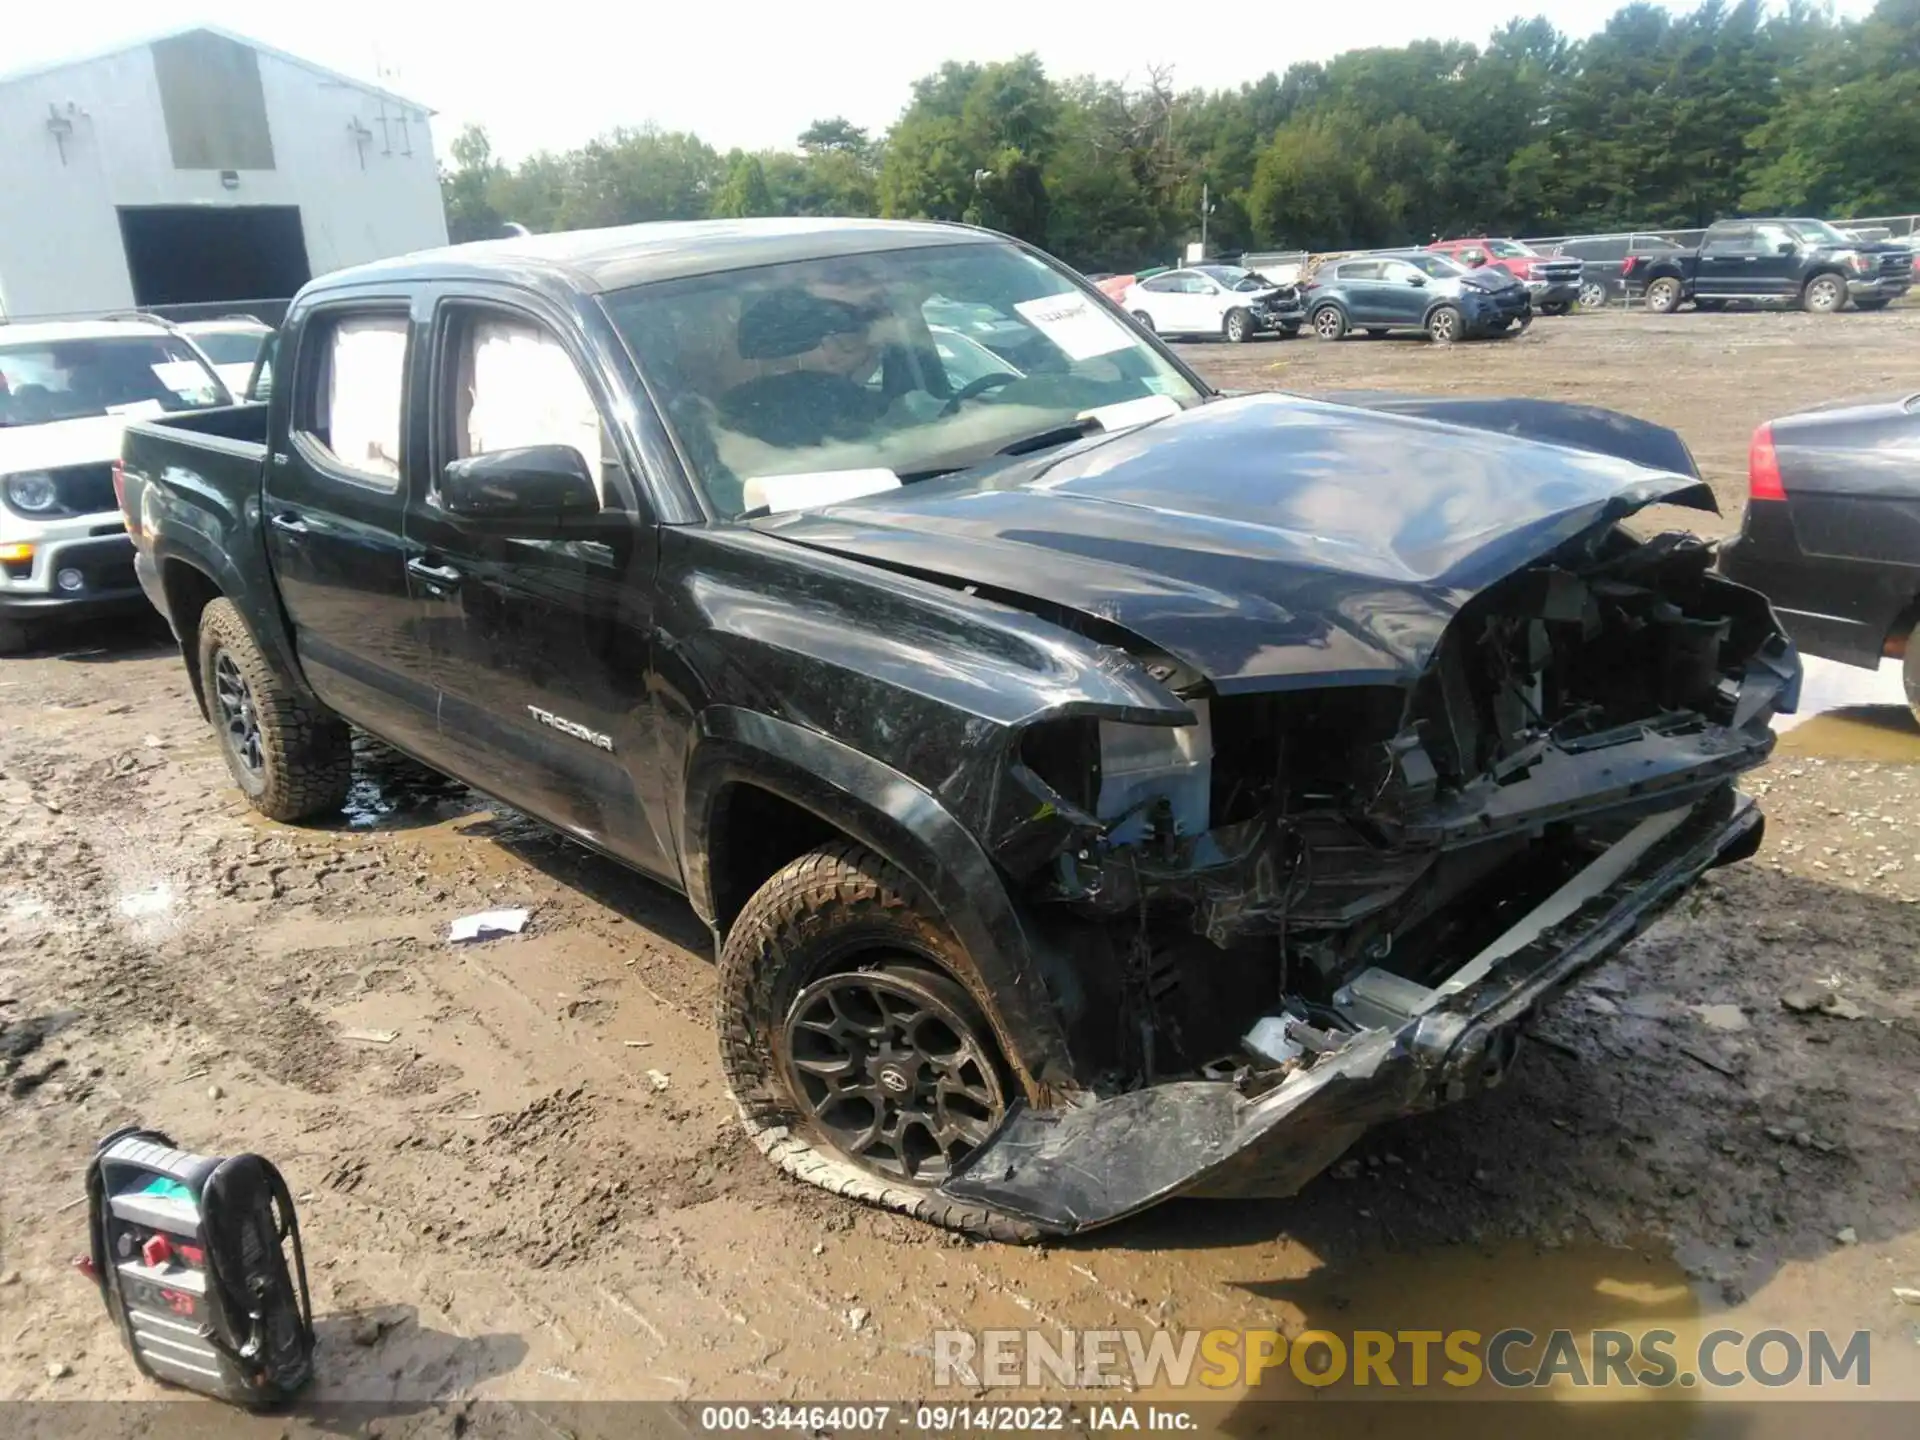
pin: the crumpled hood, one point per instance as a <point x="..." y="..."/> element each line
<point x="1269" y="541"/>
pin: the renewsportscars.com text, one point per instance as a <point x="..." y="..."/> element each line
<point x="1458" y="1359"/>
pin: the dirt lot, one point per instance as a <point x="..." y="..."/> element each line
<point x="520" y="1178"/>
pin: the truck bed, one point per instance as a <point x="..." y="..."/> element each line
<point x="231" y="429"/>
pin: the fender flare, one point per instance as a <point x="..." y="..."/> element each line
<point x="262" y="613"/>
<point x="905" y="825"/>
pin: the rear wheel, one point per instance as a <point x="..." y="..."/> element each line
<point x="1444" y="325"/>
<point x="1593" y="296"/>
<point x="290" y="761"/>
<point x="14" y="637"/>
<point x="1329" y="323"/>
<point x="1238" y="327"/>
<point x="1823" y="295"/>
<point x="1146" y="320"/>
<point x="1664" y="295"/>
<point x="858" y="1059"/>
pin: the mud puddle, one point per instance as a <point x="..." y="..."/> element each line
<point x="1847" y="713"/>
<point x="392" y="792"/>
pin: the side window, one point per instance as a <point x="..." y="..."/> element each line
<point x="1361" y="270"/>
<point x="514" y="385"/>
<point x="1399" y="272"/>
<point x="1162" y="284"/>
<point x="353" y="378"/>
<point x="1197" y="285"/>
<point x="1769" y="238"/>
<point x="1731" y="240"/>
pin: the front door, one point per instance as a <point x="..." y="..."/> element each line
<point x="1726" y="266"/>
<point x="1405" y="292"/>
<point x="1775" y="268"/>
<point x="541" y="642"/>
<point x="333" y="507"/>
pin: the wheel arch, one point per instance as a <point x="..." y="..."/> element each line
<point x="749" y="767"/>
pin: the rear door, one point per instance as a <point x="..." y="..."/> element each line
<point x="1361" y="282"/>
<point x="541" y="643"/>
<point x="335" y="495"/>
<point x="1726" y="266"/>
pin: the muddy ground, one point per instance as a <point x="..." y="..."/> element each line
<point x="519" y="1176"/>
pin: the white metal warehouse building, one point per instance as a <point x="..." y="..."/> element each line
<point x="201" y="169"/>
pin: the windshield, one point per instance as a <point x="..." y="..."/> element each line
<point x="44" y="382"/>
<point x="1507" y="249"/>
<point x="825" y="367"/>
<point x="1820" y="233"/>
<point x="1235" y="278"/>
<point x="230" y="347"/>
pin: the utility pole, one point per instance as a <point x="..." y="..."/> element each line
<point x="1205" y="206"/>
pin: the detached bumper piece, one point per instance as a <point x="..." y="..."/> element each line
<point x="1272" y="1127"/>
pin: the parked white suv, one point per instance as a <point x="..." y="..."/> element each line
<point x="67" y="390"/>
<point x="1223" y="300"/>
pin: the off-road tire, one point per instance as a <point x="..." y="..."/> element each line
<point x="1824" y="295"/>
<point x="1445" y="324"/>
<point x="1329" y="329"/>
<point x="306" y="755"/>
<point x="815" y="916"/>
<point x="15" y="637"/>
<point x="1238" y="327"/>
<point x="1664" y="295"/>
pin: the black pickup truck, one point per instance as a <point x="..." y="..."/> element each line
<point x="1803" y="262"/>
<point x="1099" y="788"/>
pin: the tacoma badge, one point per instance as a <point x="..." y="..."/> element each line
<point x="571" y="727"/>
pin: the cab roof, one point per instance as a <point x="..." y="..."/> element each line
<point x="613" y="259"/>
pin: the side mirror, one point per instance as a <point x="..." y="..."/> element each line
<point x="1417" y="281"/>
<point x="537" y="483"/>
<point x="1786" y="247"/>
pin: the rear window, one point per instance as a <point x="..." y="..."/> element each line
<point x="231" y="347"/>
<point x="48" y="381"/>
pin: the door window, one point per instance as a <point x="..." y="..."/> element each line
<point x="1401" y="273"/>
<point x="1768" y="240"/>
<point x="1360" y="270"/>
<point x="1162" y="284"/>
<point x="515" y="385"/>
<point x="1734" y="240"/>
<point x="350" y="399"/>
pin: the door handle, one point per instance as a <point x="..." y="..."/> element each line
<point x="423" y="569"/>
<point x="291" y="523"/>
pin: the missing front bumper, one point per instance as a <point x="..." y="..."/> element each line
<point x="1074" y="1169"/>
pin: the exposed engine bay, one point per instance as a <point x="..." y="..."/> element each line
<point x="1337" y="859"/>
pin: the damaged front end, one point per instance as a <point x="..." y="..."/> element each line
<point x="1310" y="910"/>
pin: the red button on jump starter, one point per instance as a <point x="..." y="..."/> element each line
<point x="156" y="1252"/>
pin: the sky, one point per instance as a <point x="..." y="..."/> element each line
<point x="551" y="74"/>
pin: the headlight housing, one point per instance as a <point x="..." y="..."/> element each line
<point x="33" y="493"/>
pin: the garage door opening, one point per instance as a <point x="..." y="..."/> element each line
<point x="195" y="254"/>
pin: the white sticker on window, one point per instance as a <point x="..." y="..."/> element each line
<point x="781" y="493"/>
<point x="1071" y="322"/>
<point x="183" y="377"/>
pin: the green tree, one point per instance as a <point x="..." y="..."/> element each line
<point x="467" y="188"/>
<point x="745" y="191"/>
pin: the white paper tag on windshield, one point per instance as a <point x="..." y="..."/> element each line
<point x="183" y="377"/>
<point x="1072" y="323"/>
<point x="138" y="409"/>
<point x="1132" y="412"/>
<point x="781" y="493"/>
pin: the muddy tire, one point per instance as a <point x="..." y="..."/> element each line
<point x="1329" y="323"/>
<point x="14" y="637"/>
<point x="1664" y="295"/>
<point x="290" y="761"/>
<point x="1444" y="325"/>
<point x="1824" y="295"/>
<point x="1238" y="327"/>
<point x="840" y="914"/>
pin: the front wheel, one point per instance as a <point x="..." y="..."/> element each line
<point x="1239" y="327"/>
<point x="1329" y="323"/>
<point x="1664" y="295"/>
<point x="1824" y="294"/>
<point x="857" y="1058"/>
<point x="1593" y="296"/>
<point x="1444" y="325"/>
<point x="290" y="761"/>
<point x="14" y="637"/>
<point x="1146" y="320"/>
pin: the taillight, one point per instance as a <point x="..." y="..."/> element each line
<point x="120" y="496"/>
<point x="1763" y="468"/>
<point x="1626" y="265"/>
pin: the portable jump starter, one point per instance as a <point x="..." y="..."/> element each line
<point x="190" y="1253"/>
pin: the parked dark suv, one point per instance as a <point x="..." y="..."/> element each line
<point x="1603" y="267"/>
<point x="1412" y="290"/>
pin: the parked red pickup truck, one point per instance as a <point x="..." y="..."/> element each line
<point x="1552" y="282"/>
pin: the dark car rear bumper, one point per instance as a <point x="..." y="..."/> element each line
<point x="1838" y="609"/>
<point x="1269" y="1133"/>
